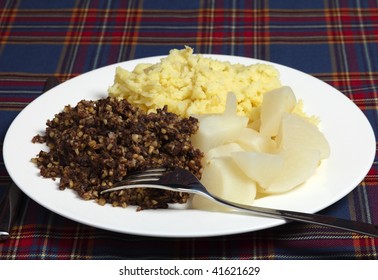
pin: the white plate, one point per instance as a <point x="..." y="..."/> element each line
<point x="348" y="131"/>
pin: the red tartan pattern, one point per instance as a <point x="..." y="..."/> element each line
<point x="336" y="41"/>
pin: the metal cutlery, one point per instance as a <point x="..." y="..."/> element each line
<point x="183" y="181"/>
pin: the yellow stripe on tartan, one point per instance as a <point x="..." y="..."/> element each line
<point x="205" y="27"/>
<point x="69" y="53"/>
<point x="7" y="13"/>
<point x="127" y="50"/>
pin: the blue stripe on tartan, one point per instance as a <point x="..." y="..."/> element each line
<point x="34" y="58"/>
<point x="6" y="118"/>
<point x="45" y="4"/>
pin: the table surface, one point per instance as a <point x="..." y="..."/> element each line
<point x="335" y="41"/>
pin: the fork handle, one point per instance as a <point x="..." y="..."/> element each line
<point x="349" y="225"/>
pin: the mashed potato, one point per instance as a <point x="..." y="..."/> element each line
<point x="193" y="84"/>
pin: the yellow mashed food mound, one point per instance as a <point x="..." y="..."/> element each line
<point x="194" y="84"/>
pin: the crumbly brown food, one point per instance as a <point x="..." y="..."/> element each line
<point x="96" y="144"/>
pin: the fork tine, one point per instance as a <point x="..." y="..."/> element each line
<point x="151" y="170"/>
<point x="139" y="177"/>
<point x="146" y="175"/>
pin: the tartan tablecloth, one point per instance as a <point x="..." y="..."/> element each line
<point x="335" y="41"/>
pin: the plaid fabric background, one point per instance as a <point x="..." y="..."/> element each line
<point x="334" y="40"/>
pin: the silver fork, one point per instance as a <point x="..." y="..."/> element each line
<point x="180" y="180"/>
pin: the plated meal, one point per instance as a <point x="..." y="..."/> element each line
<point x="254" y="132"/>
<point x="233" y="126"/>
